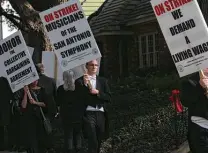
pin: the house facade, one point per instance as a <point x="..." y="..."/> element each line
<point x="90" y="6"/>
<point x="130" y="38"/>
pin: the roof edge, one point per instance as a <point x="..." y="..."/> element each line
<point x="147" y="18"/>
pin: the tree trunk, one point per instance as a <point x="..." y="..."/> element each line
<point x="31" y="24"/>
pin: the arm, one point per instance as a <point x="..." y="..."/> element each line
<point x="55" y="90"/>
<point x="188" y="94"/>
<point x="106" y="94"/>
<point x="24" y="101"/>
<point x="58" y="97"/>
<point x="36" y="100"/>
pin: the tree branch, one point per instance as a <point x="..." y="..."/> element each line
<point x="13" y="18"/>
<point x="83" y="2"/>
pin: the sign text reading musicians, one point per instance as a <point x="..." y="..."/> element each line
<point x="65" y="16"/>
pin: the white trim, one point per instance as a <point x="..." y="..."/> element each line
<point x="147" y="53"/>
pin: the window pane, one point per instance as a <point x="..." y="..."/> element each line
<point x="137" y="49"/>
<point x="156" y="42"/>
<point x="144" y="60"/>
<point x="151" y="59"/>
<point x="150" y="43"/>
<point x="157" y="57"/>
<point x="143" y="43"/>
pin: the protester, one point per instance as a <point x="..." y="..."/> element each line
<point x="35" y="136"/>
<point x="5" y="114"/>
<point x="193" y="96"/>
<point x="71" y="111"/>
<point x="49" y="84"/>
<point x="15" y="127"/>
<point x="95" y="92"/>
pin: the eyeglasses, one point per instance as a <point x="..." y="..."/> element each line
<point x="93" y="64"/>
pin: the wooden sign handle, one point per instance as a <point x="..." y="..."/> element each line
<point x="201" y="74"/>
<point x="89" y="83"/>
<point x="55" y="69"/>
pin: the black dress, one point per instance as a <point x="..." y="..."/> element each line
<point x="71" y="111"/>
<point x="35" y="137"/>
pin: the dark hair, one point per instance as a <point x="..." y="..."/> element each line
<point x="38" y="69"/>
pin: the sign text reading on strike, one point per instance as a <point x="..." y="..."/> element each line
<point x="169" y="5"/>
<point x="62" y="12"/>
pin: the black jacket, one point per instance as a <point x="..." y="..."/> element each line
<point x="71" y="109"/>
<point x="49" y="84"/>
<point x="102" y="99"/>
<point x="193" y="97"/>
<point x="6" y="96"/>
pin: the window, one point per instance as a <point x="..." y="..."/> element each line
<point x="148" y="50"/>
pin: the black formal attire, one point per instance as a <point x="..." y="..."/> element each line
<point x="71" y="112"/>
<point x="34" y="135"/>
<point x="49" y="84"/>
<point x="5" y="111"/>
<point x="15" y="127"/>
<point x="95" y="119"/>
<point x="193" y="97"/>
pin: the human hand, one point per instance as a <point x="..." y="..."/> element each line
<point x="41" y="104"/>
<point x="204" y="82"/>
<point x="26" y="89"/>
<point x="86" y="78"/>
<point x="94" y="91"/>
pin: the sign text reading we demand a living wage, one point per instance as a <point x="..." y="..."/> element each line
<point x="173" y="7"/>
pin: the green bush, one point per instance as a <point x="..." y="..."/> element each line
<point x="153" y="133"/>
<point x="171" y="81"/>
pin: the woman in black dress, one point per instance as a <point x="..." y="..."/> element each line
<point x="35" y="136"/>
<point x="71" y="111"/>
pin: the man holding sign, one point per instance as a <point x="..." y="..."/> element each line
<point x="95" y="93"/>
<point x="186" y="35"/>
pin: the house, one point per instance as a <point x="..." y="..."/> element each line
<point x="90" y="6"/>
<point x="129" y="37"/>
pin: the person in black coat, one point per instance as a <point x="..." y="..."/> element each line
<point x="49" y="84"/>
<point x="71" y="112"/>
<point x="95" y="92"/>
<point x="36" y="139"/>
<point x="5" y="110"/>
<point x="193" y="96"/>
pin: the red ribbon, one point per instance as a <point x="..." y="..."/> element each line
<point x="175" y="99"/>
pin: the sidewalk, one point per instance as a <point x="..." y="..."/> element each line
<point x="184" y="148"/>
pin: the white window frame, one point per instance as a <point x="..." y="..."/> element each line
<point x="155" y="52"/>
